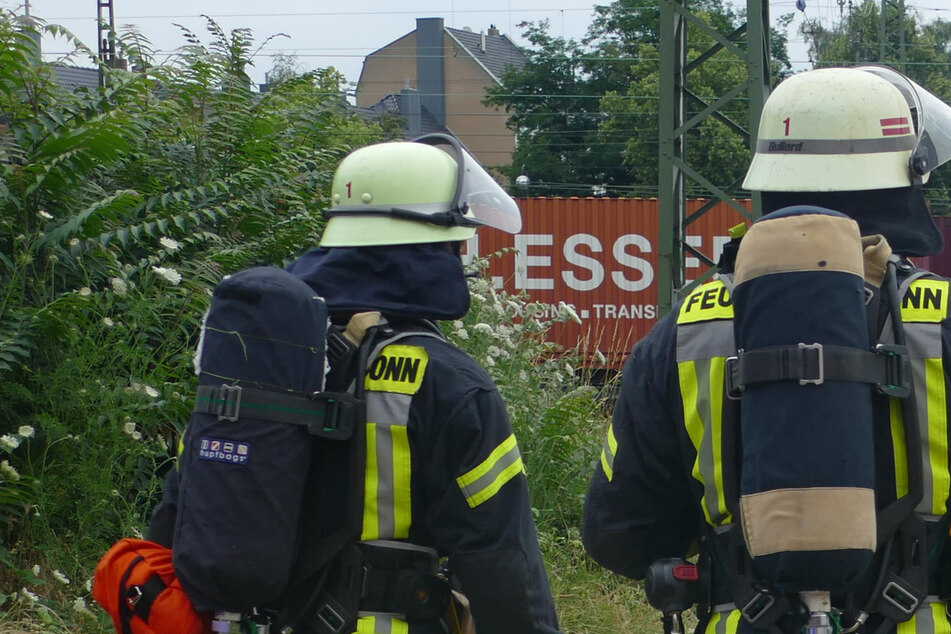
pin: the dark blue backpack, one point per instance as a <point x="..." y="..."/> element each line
<point x="248" y="448"/>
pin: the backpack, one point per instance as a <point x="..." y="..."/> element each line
<point x="246" y="458"/>
<point x="136" y="585"/>
<point x="807" y="366"/>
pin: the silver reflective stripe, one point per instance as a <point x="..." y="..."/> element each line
<point x="386" y="514"/>
<point x="705" y="460"/>
<point x="382" y="622"/>
<point x="483" y="482"/>
<point x="924" y="620"/>
<point x="923" y="340"/>
<point x="705" y="339"/>
<point x="386" y="410"/>
<point x="836" y="146"/>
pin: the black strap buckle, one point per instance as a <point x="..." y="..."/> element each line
<point x="758" y="606"/>
<point x="229" y="407"/>
<point x="897" y="370"/>
<point x="902" y="598"/>
<point x="819" y="377"/>
<point x="734" y="386"/>
<point x="340" y="414"/>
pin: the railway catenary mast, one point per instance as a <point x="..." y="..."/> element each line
<point x="750" y="43"/>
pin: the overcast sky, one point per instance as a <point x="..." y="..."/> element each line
<point x="341" y="33"/>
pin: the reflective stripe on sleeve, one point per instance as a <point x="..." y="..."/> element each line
<point x="608" y="453"/>
<point x="482" y="482"/>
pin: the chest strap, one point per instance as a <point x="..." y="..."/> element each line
<point x="330" y="415"/>
<point x="887" y="367"/>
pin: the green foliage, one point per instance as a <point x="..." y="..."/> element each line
<point x="571" y="142"/>
<point x="120" y="209"/>
<point x="921" y="50"/>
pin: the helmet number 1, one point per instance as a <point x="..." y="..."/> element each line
<point x="350" y="184"/>
<point x="785" y="122"/>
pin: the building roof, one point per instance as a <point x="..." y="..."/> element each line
<point x="500" y="52"/>
<point x="74" y="77"/>
<point x="393" y="104"/>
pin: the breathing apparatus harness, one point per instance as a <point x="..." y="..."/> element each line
<point x="345" y="576"/>
<point x="725" y="575"/>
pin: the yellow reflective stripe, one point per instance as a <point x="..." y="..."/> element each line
<point x="926" y="301"/>
<point x="402" y="475"/>
<point x="939" y="614"/>
<point x="371" y="511"/>
<point x="483" y="481"/>
<point x="898" y="447"/>
<point x="608" y="453"/>
<point x="937" y="435"/>
<point x="931" y="618"/>
<point x="381" y="625"/>
<point x="907" y="627"/>
<point x="717" y="368"/>
<point x="701" y="389"/>
<point x="723" y="622"/>
<point x="733" y="622"/>
<point x="688" y="392"/>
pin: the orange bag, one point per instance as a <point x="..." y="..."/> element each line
<point x="136" y="584"/>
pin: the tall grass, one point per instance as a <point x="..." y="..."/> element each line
<point x="120" y="209"/>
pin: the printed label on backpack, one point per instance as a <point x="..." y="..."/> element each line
<point x="228" y="451"/>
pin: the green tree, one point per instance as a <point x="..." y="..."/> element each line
<point x="585" y="114"/>
<point x="925" y="56"/>
<point x="555" y="115"/>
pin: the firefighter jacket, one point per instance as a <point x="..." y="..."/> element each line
<point x="659" y="492"/>
<point x="444" y="470"/>
<point x="443" y="467"/>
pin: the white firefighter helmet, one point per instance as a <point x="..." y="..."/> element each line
<point x="849" y="129"/>
<point x="412" y="192"/>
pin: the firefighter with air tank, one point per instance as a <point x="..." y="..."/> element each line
<point x="796" y="437"/>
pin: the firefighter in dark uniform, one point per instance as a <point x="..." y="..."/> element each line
<point x="444" y="477"/>
<point x="860" y="141"/>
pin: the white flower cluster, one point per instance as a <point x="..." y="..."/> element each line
<point x="169" y="243"/>
<point x="141" y="387"/>
<point x="170" y="275"/>
<point x="8" y="471"/>
<point x="129" y="428"/>
<point x="119" y="286"/>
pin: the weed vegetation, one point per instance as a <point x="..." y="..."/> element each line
<point x="120" y="209"/>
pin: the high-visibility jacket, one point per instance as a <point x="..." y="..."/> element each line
<point x="444" y="471"/>
<point x="661" y="474"/>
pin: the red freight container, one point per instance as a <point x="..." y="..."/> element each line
<point x="599" y="256"/>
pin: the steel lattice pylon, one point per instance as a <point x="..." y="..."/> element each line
<point x="750" y="42"/>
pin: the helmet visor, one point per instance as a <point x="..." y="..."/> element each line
<point x="932" y="119"/>
<point x="479" y="199"/>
